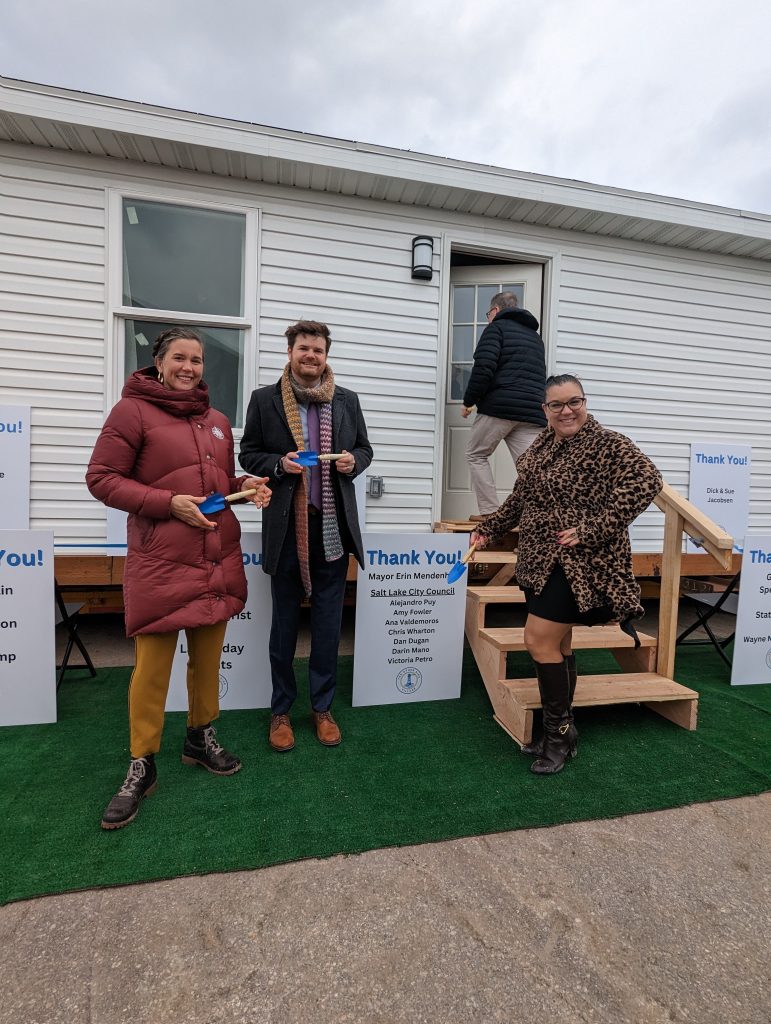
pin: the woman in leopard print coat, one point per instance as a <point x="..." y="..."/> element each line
<point x="578" y="489"/>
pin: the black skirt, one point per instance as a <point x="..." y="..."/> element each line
<point x="557" y="603"/>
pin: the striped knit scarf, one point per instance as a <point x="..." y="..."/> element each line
<point x="291" y="393"/>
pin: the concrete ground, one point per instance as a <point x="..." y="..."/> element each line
<point x="647" y="919"/>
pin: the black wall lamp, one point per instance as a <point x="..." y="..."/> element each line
<point x="422" y="257"/>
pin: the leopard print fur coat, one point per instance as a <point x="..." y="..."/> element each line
<point x="597" y="481"/>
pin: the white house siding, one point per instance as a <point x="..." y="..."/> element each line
<point x="670" y="344"/>
<point x="52" y="293"/>
<point x="343" y="261"/>
<point x="351" y="270"/>
<point x="672" y="347"/>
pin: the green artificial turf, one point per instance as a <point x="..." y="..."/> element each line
<point x="403" y="774"/>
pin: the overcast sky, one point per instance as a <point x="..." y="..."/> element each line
<point x="664" y="96"/>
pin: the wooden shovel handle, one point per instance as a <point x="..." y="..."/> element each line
<point x="469" y="553"/>
<point x="241" y="494"/>
<point x="330" y="457"/>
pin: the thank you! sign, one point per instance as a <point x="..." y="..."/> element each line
<point x="409" y="620"/>
<point x="720" y="487"/>
<point x="244" y="665"/>
<point x="14" y="467"/>
<point x="752" y="646"/>
<point x="27" y="651"/>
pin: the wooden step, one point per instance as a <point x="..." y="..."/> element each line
<point x="517" y="698"/>
<point x="619" y="688"/>
<point x="494" y="557"/>
<point x="496" y="595"/>
<point x="584" y="638"/>
<point x="460" y="526"/>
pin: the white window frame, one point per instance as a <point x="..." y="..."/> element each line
<point x="116" y="313"/>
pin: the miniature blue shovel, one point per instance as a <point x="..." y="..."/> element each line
<point x="313" y="458"/>
<point x="216" y="502"/>
<point x="460" y="567"/>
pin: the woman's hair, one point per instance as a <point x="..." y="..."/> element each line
<point x="558" y="379"/>
<point x="165" y="338"/>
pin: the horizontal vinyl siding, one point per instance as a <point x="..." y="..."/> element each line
<point x="52" y="347"/>
<point x="352" y="271"/>
<point x="671" y="345"/>
<point x="341" y="261"/>
<point x="672" y="349"/>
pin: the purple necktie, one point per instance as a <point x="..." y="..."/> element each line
<point x="314" y="438"/>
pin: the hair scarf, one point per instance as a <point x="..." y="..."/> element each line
<point x="291" y="394"/>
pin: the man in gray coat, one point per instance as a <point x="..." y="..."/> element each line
<point x="311" y="525"/>
<point x="507" y="387"/>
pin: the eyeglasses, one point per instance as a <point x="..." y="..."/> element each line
<point x="491" y="312"/>
<point x="572" y="403"/>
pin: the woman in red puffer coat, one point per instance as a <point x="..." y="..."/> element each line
<point x="160" y="452"/>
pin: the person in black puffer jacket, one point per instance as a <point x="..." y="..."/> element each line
<point x="506" y="386"/>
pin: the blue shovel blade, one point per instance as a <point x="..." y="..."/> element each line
<point x="456" y="572"/>
<point x="214" y="503"/>
<point x="308" y="458"/>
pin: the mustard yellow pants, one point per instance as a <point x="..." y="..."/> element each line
<point x="154" y="654"/>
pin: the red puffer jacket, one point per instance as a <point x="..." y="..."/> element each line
<point x="157" y="443"/>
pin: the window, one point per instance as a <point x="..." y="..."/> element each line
<point x="187" y="265"/>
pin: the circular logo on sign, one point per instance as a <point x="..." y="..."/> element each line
<point x="223" y="686"/>
<point x="768" y="658"/>
<point x="218" y="433"/>
<point x="409" y="680"/>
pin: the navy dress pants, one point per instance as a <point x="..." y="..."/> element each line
<point x="328" y="592"/>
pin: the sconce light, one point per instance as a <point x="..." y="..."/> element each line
<point x="422" y="257"/>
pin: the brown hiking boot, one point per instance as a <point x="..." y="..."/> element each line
<point x="327" y="731"/>
<point x="281" y="737"/>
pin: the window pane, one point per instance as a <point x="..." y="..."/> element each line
<point x="484" y="293"/>
<point x="459" y="380"/>
<point x="518" y="290"/>
<point x="463" y="304"/>
<point x="223" y="361"/>
<point x="462" y="344"/>
<point x="183" y="258"/>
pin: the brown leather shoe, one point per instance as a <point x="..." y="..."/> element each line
<point x="327" y="731"/>
<point x="281" y="737"/>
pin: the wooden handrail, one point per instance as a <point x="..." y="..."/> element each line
<point x="699" y="527"/>
<point x="681" y="516"/>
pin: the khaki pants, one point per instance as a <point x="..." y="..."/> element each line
<point x="150" y="683"/>
<point x="487" y="432"/>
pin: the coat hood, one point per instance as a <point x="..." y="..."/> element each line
<point x="144" y="384"/>
<point x="521" y="316"/>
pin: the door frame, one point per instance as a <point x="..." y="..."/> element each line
<point x="549" y="257"/>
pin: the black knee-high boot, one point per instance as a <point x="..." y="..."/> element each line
<point x="560" y="736"/>
<point x="535" y="748"/>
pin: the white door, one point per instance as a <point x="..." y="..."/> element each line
<point x="471" y="289"/>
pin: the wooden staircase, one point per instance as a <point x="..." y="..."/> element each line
<point x="646" y="672"/>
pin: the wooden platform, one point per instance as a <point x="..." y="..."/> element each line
<point x="496" y="595"/>
<point x="514" y="700"/>
<point x="611" y="637"/>
<point x="519" y="697"/>
<point x="622" y="688"/>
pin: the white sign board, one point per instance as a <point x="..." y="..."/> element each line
<point x="27" y="649"/>
<point x="117" y="522"/>
<point x="409" y="620"/>
<point x="720" y="487"/>
<point x="360" y="490"/>
<point x="14" y="467"/>
<point x="245" y="666"/>
<point x="752" y="646"/>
